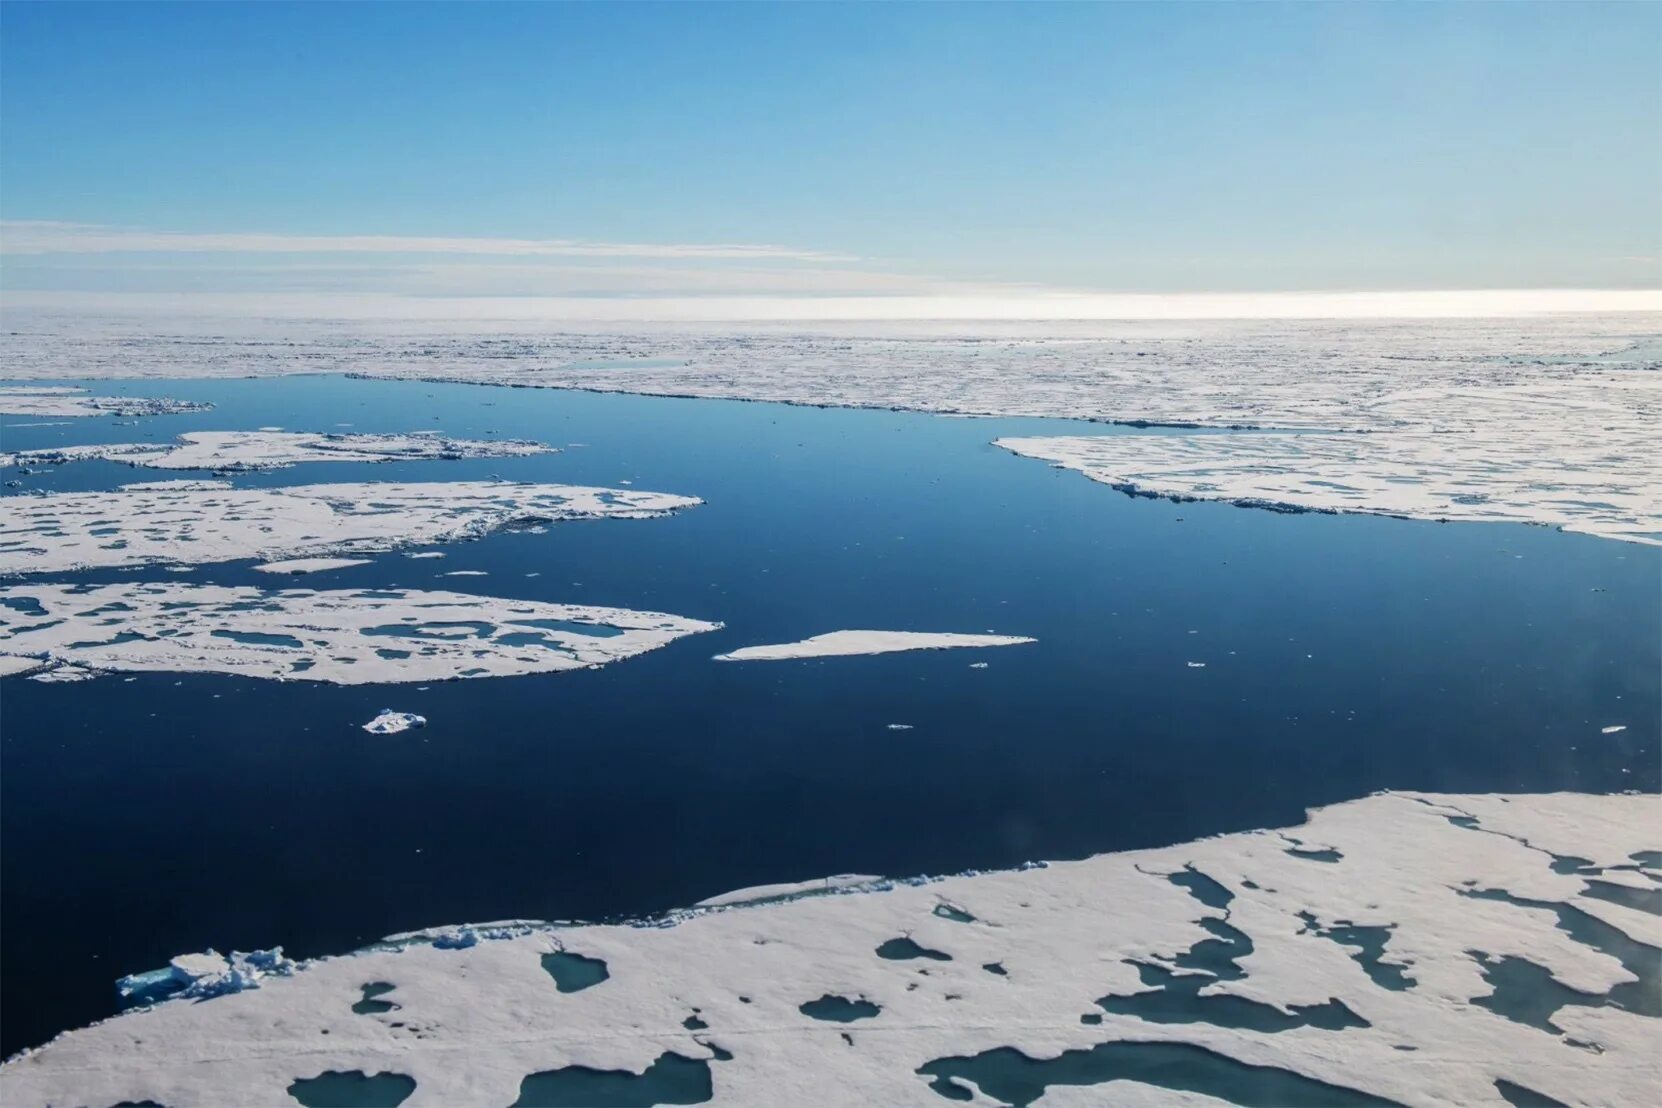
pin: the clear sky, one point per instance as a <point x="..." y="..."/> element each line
<point x="848" y="149"/>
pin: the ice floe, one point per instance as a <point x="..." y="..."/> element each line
<point x="348" y="637"/>
<point x="1207" y="972"/>
<point x="60" y="400"/>
<point x="310" y="565"/>
<point x="270" y="449"/>
<point x="1496" y="474"/>
<point x="196" y="524"/>
<point x="389" y="722"/>
<point x="837" y="643"/>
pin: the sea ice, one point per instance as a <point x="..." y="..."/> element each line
<point x="347" y="637"/>
<point x="39" y="400"/>
<point x="252" y="450"/>
<point x="837" y="643"/>
<point x="1450" y="406"/>
<point x="1367" y="979"/>
<point x="389" y="722"/>
<point x="137" y="525"/>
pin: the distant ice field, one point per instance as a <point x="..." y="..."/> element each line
<point x="1198" y="669"/>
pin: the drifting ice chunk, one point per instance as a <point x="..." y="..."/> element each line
<point x="390" y="722"/>
<point x="838" y="643"/>
<point x="310" y="565"/>
<point x="203" y="975"/>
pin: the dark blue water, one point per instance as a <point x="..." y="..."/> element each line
<point x="1344" y="654"/>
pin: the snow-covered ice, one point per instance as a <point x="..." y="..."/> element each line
<point x="389" y="722"/>
<point x="268" y="449"/>
<point x="837" y="643"/>
<point x="60" y="400"/>
<point x="1368" y="974"/>
<point x="196" y="524"/>
<point x="347" y="637"/>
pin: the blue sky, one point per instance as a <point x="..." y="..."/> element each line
<point x="879" y="150"/>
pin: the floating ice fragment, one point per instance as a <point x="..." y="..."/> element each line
<point x="390" y="722"/>
<point x="310" y="565"/>
<point x="1195" y="665"/>
<point x="1613" y="729"/>
<point x="900" y="727"/>
<point x="838" y="643"/>
<point x="204" y="975"/>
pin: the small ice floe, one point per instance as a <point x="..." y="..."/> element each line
<point x="1613" y="729"/>
<point x="466" y="573"/>
<point x="309" y="565"/>
<point x="59" y="400"/>
<point x="390" y="722"/>
<point x="978" y="665"/>
<point x="426" y="554"/>
<point x="1195" y="665"/>
<point x="839" y="643"/>
<point x="900" y="727"/>
<point x="204" y="975"/>
<point x="272" y="448"/>
<point x="63" y="673"/>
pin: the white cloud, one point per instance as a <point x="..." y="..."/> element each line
<point x="21" y="236"/>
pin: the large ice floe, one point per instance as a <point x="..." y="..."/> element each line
<point x="60" y="401"/>
<point x="1402" y="949"/>
<point x="197" y="522"/>
<point x="348" y="637"/>
<point x="248" y="450"/>
<point x="839" y="643"/>
<point x="1418" y="474"/>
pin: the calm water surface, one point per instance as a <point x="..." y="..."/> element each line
<point x="1343" y="654"/>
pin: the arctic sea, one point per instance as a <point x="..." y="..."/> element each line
<point x="1339" y="655"/>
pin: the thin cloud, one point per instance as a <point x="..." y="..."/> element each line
<point x="56" y="237"/>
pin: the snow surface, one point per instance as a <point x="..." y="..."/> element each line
<point x="39" y="400"/>
<point x="389" y="722"/>
<point x="310" y="565"/>
<point x="197" y="524"/>
<point x="253" y="450"/>
<point x="986" y="962"/>
<point x="837" y="643"/>
<point x="348" y="637"/>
